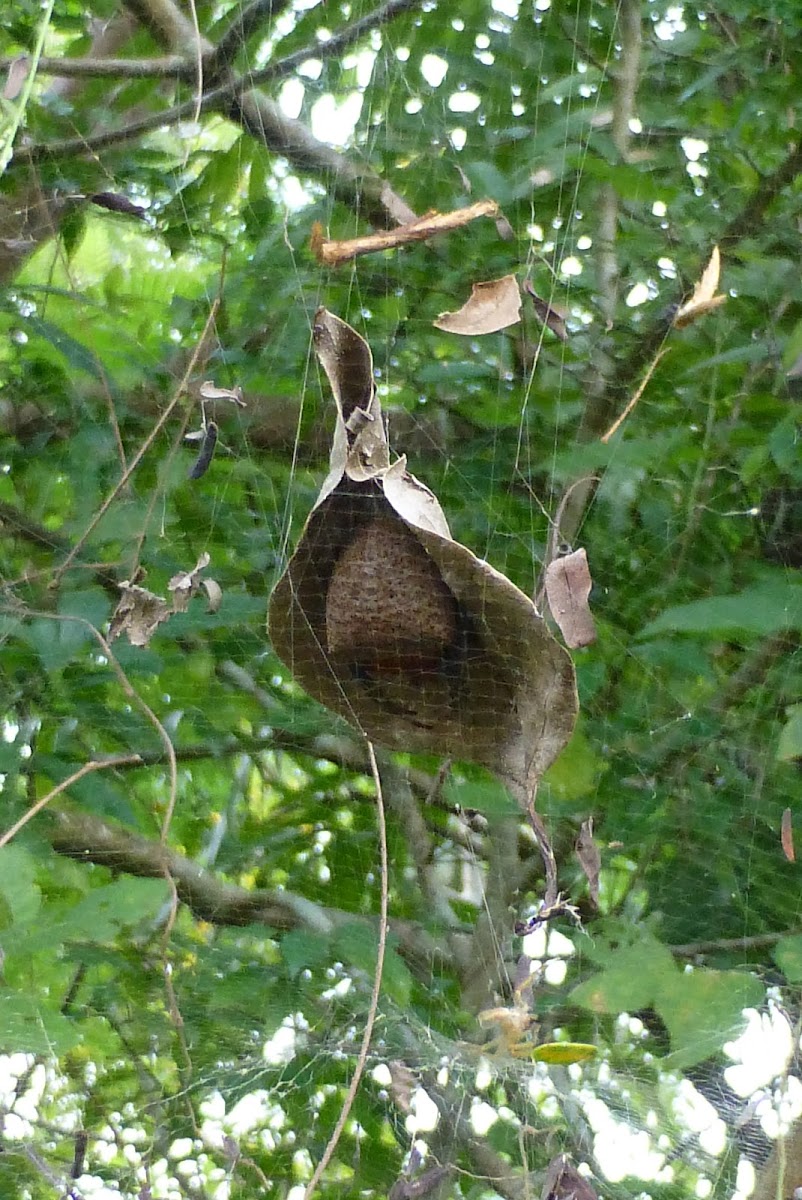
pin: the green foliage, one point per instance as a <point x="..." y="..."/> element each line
<point x="209" y="975"/>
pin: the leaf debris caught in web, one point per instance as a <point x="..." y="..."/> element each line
<point x="114" y="202"/>
<point x="705" y="295"/>
<point x="787" y="836"/>
<point x="208" y="390"/>
<point x="332" y="253"/>
<point x="492" y="305"/>
<point x="140" y="612"/>
<point x="589" y="858"/>
<point x="568" y="586"/>
<point x="187" y="584"/>
<point x="16" y="76"/>
<point x="563" y="1182"/>
<point x="550" y="315"/>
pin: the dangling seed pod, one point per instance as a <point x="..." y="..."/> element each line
<point x="388" y="621"/>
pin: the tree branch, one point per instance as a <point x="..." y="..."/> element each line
<point x="89" y="67"/>
<point x="245" y="23"/>
<point x="15" y="523"/>
<point x="357" y="185"/>
<point x="86" y="838"/>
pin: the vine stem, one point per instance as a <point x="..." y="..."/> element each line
<point x="359" y="1069"/>
<point x="7" y="149"/>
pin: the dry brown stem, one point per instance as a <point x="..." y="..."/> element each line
<point x="333" y="253"/>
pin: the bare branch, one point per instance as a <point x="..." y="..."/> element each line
<point x="355" y="184"/>
<point x="65" y="785"/>
<point x="89" y="67"/>
<point x="87" y="839"/>
<point x="245" y="23"/>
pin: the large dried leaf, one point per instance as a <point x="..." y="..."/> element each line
<point x="568" y="587"/>
<point x="386" y="620"/>
<point x="492" y="305"/>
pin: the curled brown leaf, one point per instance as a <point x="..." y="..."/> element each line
<point x="492" y="305"/>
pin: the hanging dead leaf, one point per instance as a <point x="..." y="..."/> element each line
<point x="503" y="228"/>
<point x="491" y="306"/>
<point x="119" y="204"/>
<point x="138" y="614"/>
<point x="421" y="1186"/>
<point x="589" y="858"/>
<point x="705" y="296"/>
<point x="787" y="836"/>
<point x="384" y="618"/>
<point x="209" y="391"/>
<point x="550" y="315"/>
<point x="332" y="253"/>
<point x="185" y="584"/>
<point x="214" y="594"/>
<point x="568" y="585"/>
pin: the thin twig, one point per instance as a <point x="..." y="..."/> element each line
<point x="143" y="449"/>
<point x="86" y="769"/>
<point x="134" y="695"/>
<point x="374" y="998"/>
<point x="619" y="421"/>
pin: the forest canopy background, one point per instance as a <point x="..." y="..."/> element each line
<point x="189" y="924"/>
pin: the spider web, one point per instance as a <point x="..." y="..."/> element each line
<point x="493" y="425"/>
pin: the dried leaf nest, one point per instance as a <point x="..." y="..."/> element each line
<point x="388" y="621"/>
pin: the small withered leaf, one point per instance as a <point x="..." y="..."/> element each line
<point x="563" y="1182"/>
<point x="17" y="74"/>
<point x="119" y="204"/>
<point x="589" y="858"/>
<point x="214" y="594"/>
<point x="138" y="614"/>
<point x="787" y="836"/>
<point x="208" y="390"/>
<point x="185" y="584"/>
<point x="550" y="315"/>
<point x="568" y="585"/>
<point x="705" y="296"/>
<point x="492" y="305"/>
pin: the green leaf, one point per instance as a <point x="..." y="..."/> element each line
<point x="790" y="744"/>
<point x="631" y="980"/>
<point x="703" y="1009"/>
<point x="788" y="956"/>
<point x="355" y="943"/>
<point x="28" y="1027"/>
<point x="74" y="353"/>
<point x="104" y="911"/>
<point x="301" y="950"/>
<point x="764" y="609"/>
<point x="487" y="796"/>
<point x="17" y="883"/>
